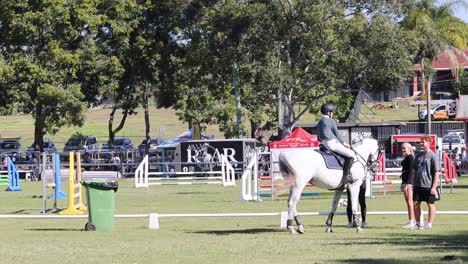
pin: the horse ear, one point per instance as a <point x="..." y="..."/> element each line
<point x="381" y="147"/>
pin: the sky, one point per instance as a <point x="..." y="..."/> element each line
<point x="461" y="13"/>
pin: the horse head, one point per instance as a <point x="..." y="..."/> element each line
<point x="369" y="151"/>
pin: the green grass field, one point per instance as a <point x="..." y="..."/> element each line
<point x="164" y="123"/>
<point x="215" y="240"/>
<point x="227" y="239"/>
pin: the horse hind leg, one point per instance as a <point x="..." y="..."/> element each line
<point x="294" y="195"/>
<point x="300" y="226"/>
<point x="289" y="222"/>
<point x="290" y="226"/>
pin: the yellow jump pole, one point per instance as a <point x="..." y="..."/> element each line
<point x="79" y="174"/>
<point x="71" y="210"/>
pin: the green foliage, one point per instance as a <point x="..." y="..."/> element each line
<point x="316" y="53"/>
<point x="40" y="42"/>
<point x="436" y="30"/>
<point x="58" y="57"/>
<point x="461" y="86"/>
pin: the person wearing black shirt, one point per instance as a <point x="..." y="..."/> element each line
<point x="407" y="182"/>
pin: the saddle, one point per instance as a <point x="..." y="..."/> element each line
<point x="333" y="160"/>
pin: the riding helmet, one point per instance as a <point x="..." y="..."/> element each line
<point x="328" y="107"/>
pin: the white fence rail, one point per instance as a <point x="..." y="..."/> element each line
<point x="144" y="178"/>
<point x="153" y="218"/>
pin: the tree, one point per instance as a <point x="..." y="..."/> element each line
<point x="316" y="56"/>
<point x="436" y="31"/>
<point x="40" y="44"/>
<point x="129" y="58"/>
<point x="290" y="52"/>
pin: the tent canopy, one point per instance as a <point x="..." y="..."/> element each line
<point x="186" y="136"/>
<point x="299" y="138"/>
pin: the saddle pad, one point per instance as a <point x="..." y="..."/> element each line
<point x="330" y="161"/>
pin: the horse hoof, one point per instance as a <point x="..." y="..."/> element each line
<point x="292" y="231"/>
<point x="359" y="229"/>
<point x="300" y="229"/>
<point x="329" y="230"/>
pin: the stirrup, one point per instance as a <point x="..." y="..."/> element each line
<point x="340" y="187"/>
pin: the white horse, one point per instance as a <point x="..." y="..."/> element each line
<point x="305" y="165"/>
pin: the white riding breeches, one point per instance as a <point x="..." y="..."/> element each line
<point x="336" y="146"/>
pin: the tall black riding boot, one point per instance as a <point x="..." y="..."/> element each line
<point x="347" y="178"/>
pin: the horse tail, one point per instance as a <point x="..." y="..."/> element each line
<point x="289" y="176"/>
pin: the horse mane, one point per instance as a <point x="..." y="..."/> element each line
<point x="361" y="141"/>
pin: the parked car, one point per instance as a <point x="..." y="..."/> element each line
<point x="439" y="112"/>
<point x="153" y="147"/>
<point x="48" y="147"/>
<point x="120" y="143"/>
<point x="459" y="132"/>
<point x="452" y="141"/>
<point x="81" y="143"/>
<point x="10" y="145"/>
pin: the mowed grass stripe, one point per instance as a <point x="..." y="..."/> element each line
<point x="226" y="239"/>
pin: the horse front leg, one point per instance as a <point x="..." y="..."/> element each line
<point x="354" y="191"/>
<point x="293" y="199"/>
<point x="336" y="199"/>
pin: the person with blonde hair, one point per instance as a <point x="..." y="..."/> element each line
<point x="407" y="182"/>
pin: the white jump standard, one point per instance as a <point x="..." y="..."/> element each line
<point x="225" y="177"/>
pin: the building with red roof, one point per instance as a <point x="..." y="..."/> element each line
<point x="444" y="77"/>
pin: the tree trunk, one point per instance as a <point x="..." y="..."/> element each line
<point x="428" y="102"/>
<point x="253" y="129"/>
<point x="288" y="123"/>
<point x="113" y="132"/>
<point x="147" y="121"/>
<point x="110" y="125"/>
<point x="39" y="129"/>
<point x="196" y="130"/>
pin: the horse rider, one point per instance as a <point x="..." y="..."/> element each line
<point x="329" y="136"/>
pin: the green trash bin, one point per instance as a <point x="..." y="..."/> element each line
<point x="100" y="195"/>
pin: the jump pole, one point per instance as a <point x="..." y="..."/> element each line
<point x="72" y="209"/>
<point x="58" y="181"/>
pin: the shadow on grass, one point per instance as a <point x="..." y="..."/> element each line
<point x="190" y="193"/>
<point x="445" y="259"/>
<point x="18" y="212"/>
<point x="55" y="229"/>
<point x="241" y="231"/>
<point x="380" y="261"/>
<point x="420" y="241"/>
<point x="464" y="186"/>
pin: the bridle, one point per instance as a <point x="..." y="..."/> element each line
<point x="367" y="163"/>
